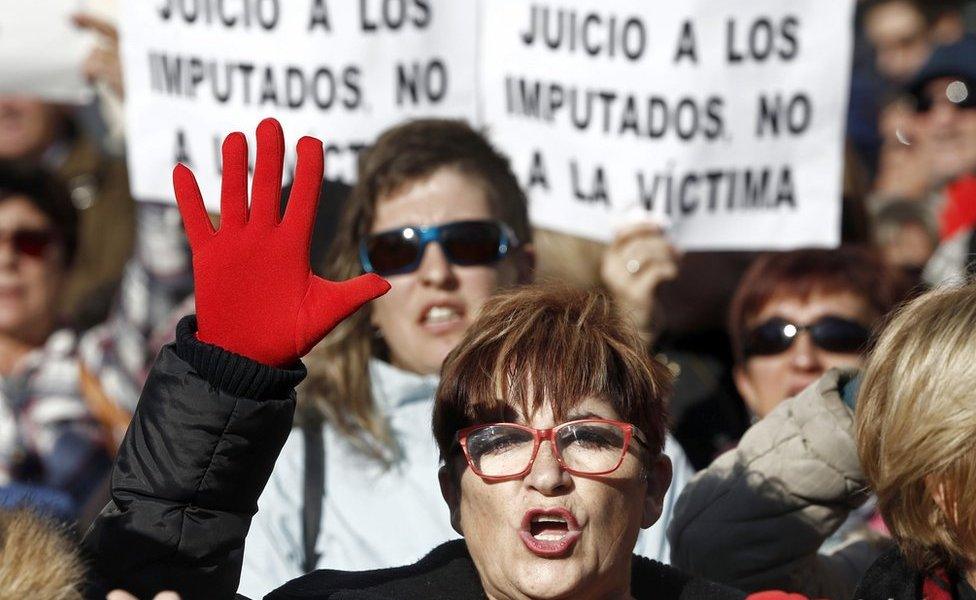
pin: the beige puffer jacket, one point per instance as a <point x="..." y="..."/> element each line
<point x="758" y="516"/>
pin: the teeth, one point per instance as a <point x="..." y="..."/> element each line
<point x="549" y="537"/>
<point x="548" y="520"/>
<point x="440" y="314"/>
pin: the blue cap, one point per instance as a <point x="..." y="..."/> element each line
<point x="957" y="59"/>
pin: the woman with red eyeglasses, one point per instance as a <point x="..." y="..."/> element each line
<point x="437" y="212"/>
<point x="51" y="449"/>
<point x="217" y="408"/>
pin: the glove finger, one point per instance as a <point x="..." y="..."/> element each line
<point x="233" y="185"/>
<point x="303" y="202"/>
<point x="190" y="201"/>
<point x="328" y="303"/>
<point x="266" y="188"/>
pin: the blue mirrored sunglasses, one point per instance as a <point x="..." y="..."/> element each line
<point x="465" y="243"/>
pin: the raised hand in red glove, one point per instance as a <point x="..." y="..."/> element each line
<point x="255" y="291"/>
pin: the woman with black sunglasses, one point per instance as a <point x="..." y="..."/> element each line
<point x="797" y="314"/>
<point x="767" y="514"/>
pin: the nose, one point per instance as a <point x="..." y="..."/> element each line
<point x="804" y="356"/>
<point x="547" y="476"/>
<point x="8" y="256"/>
<point x="943" y="113"/>
<point x="435" y="270"/>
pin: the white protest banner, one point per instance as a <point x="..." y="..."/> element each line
<point x="725" y="118"/>
<point x="41" y="50"/>
<point x="341" y="70"/>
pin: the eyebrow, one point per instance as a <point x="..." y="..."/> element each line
<point x="576" y="416"/>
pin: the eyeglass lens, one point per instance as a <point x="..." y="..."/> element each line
<point x="30" y="242"/>
<point x="588" y="447"/>
<point x="959" y="93"/>
<point x="464" y="243"/>
<point x="833" y="334"/>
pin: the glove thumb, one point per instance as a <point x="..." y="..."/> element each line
<point x="328" y="303"/>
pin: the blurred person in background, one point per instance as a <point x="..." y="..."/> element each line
<point x="365" y="409"/>
<point x="46" y="134"/>
<point x="944" y="92"/>
<point x="899" y="32"/>
<point x="905" y="233"/>
<point x="797" y="314"/>
<point x="903" y="170"/>
<point x="52" y="451"/>
<point x="50" y="135"/>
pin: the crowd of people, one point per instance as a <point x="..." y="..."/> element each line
<point x="402" y="389"/>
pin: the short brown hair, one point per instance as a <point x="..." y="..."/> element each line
<point x="916" y="424"/>
<point x="803" y="273"/>
<point x="549" y="343"/>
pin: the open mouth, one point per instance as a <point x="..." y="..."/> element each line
<point x="441" y="314"/>
<point x="442" y="317"/>
<point x="549" y="533"/>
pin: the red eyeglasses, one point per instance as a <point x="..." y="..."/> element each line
<point x="497" y="451"/>
<point x="29" y="242"/>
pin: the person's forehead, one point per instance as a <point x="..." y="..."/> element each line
<point x="19" y="211"/>
<point x="587" y="407"/>
<point x="893" y="19"/>
<point x="445" y="195"/>
<point x="817" y="304"/>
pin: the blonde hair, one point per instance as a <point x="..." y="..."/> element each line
<point x="916" y="427"/>
<point x="37" y="560"/>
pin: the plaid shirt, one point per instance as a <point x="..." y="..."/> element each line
<point x="65" y="407"/>
<point x="156" y="292"/>
<point x="48" y="438"/>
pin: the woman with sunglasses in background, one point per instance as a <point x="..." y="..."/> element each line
<point x="801" y="323"/>
<point x="52" y="452"/>
<point x="437" y="212"/>
<point x="797" y="314"/>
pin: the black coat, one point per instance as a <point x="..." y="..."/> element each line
<point x="200" y="449"/>
<point x="448" y="573"/>
<point x="891" y="578"/>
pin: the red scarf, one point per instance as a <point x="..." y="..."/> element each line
<point x="937" y="587"/>
<point x="959" y="212"/>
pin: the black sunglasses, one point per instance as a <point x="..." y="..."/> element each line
<point x="30" y="242"/>
<point x="961" y="93"/>
<point x="833" y="334"/>
<point x="464" y="243"/>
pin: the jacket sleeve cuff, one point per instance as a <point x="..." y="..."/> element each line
<point x="232" y="373"/>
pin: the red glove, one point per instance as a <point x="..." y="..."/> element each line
<point x="255" y="292"/>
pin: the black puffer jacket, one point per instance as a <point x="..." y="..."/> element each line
<point x="200" y="449"/>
